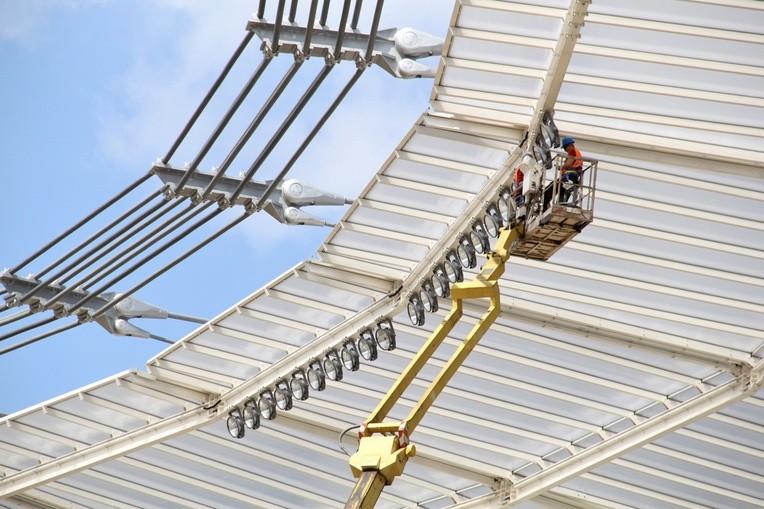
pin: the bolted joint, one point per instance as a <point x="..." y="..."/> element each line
<point x="224" y="203"/>
<point x="84" y="316"/>
<point x="12" y="301"/>
<point x="267" y="50"/>
<point x="250" y="207"/>
<point x="60" y="312"/>
<point x="361" y="63"/>
<point x="196" y="197"/>
<point x="35" y="305"/>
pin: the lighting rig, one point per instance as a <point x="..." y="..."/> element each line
<point x="311" y="376"/>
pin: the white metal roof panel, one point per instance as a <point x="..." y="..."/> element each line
<point x="622" y="372"/>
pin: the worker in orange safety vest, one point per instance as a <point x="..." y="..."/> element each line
<point x="517" y="193"/>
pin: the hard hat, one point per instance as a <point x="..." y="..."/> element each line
<point x="567" y="141"/>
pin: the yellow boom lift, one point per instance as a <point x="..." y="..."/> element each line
<point x="545" y="226"/>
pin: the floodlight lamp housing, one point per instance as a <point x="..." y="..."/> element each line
<point x="385" y="334"/>
<point x="367" y="348"/>
<point x="235" y="424"/>
<point x="332" y="366"/>
<point x="282" y="395"/>
<point x="350" y="357"/>
<point x="251" y="414"/>
<point x="316" y="376"/>
<point x="479" y="237"/>
<point x="440" y="281"/>
<point x="415" y="310"/>
<point x="492" y="221"/>
<point x="299" y="385"/>
<point x="505" y="205"/>
<point x="466" y="252"/>
<point x="428" y="297"/>
<point x="453" y="267"/>
<point x="267" y="405"/>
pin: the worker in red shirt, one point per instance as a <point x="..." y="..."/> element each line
<point x="571" y="171"/>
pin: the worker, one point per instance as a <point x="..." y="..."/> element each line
<point x="570" y="172"/>
<point x="517" y="187"/>
<point x="517" y="193"/>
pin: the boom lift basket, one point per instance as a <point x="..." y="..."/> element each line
<point x="550" y="222"/>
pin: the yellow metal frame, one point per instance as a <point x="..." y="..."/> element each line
<point x="381" y="458"/>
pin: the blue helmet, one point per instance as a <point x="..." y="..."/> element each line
<point x="567" y="141"/>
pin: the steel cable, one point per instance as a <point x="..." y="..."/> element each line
<point x="274" y="140"/>
<point x="211" y="92"/>
<point x="82" y="222"/>
<point x="82" y="245"/>
<point x="277" y="180"/>
<point x="224" y="122"/>
<point x="28" y="327"/>
<point x="104" y="266"/>
<point x="144" y="243"/>
<point x="148" y="257"/>
<point x="39" y="337"/>
<point x="244" y="138"/>
<point x="170" y="265"/>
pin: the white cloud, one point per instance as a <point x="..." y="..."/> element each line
<point x="159" y="92"/>
<point x="342" y="158"/>
<point x="155" y="98"/>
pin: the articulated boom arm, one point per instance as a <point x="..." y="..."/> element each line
<point x="384" y="447"/>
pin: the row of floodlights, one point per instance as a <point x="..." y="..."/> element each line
<point x="475" y="241"/>
<point x="312" y="376"/>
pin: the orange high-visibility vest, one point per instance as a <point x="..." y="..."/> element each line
<point x="518" y="176"/>
<point x="578" y="163"/>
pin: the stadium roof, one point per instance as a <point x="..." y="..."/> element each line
<point x="626" y="371"/>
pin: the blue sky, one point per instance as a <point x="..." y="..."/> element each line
<point x="92" y="92"/>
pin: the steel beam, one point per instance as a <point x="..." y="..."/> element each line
<point x="744" y="385"/>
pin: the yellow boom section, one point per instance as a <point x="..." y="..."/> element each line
<point x="384" y="447"/>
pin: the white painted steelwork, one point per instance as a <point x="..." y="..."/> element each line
<point x="624" y="372"/>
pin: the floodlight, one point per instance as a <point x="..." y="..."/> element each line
<point x="266" y="406"/>
<point x="416" y="310"/>
<point x="428" y="297"/>
<point x="439" y="281"/>
<point x="282" y="395"/>
<point x="466" y="252"/>
<point x="251" y="415"/>
<point x="505" y="205"/>
<point x="235" y="424"/>
<point x="453" y="267"/>
<point x="492" y="220"/>
<point x="367" y="348"/>
<point x="316" y="376"/>
<point x="332" y="366"/>
<point x="350" y="357"/>
<point x="385" y="335"/>
<point x="299" y="385"/>
<point x="479" y="237"/>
